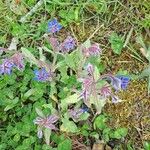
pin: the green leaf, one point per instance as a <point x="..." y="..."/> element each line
<point x="50" y="106"/>
<point x="106" y="133"/>
<point x="87" y="44"/>
<point x="47" y="134"/>
<point x="73" y="59"/>
<point x="70" y="100"/>
<point x="95" y="135"/>
<point x="84" y="116"/>
<point x="100" y="122"/>
<point x="12" y="104"/>
<point x="68" y="126"/>
<point x="146" y="145"/>
<point x="119" y="133"/>
<point x="116" y="43"/>
<point x="145" y="73"/>
<point x="29" y="56"/>
<point x="39" y="112"/>
<point x="96" y="73"/>
<point x="65" y="145"/>
<point x="29" y="93"/>
<point x="63" y="72"/>
<point x="99" y="103"/>
<point x="16" y="138"/>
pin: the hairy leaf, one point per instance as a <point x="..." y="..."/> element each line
<point x="116" y="43"/>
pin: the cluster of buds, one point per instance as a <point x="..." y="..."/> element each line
<point x="67" y="45"/>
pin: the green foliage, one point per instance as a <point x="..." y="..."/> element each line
<point x="100" y="122"/>
<point x="68" y="126"/>
<point x="69" y="16"/>
<point x="116" y="43"/>
<point x="70" y="100"/>
<point x="119" y="133"/>
<point x="108" y="133"/>
<point x="65" y="145"/>
<point x="146" y="145"/>
<point x="21" y="97"/>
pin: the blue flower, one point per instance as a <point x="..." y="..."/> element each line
<point x="41" y="75"/>
<point x="6" y="67"/>
<point x="124" y="81"/>
<point x="68" y="44"/>
<point x="54" y="26"/>
<point x="113" y="80"/>
<point x="85" y="108"/>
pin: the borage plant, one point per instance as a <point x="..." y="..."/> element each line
<point x="77" y="89"/>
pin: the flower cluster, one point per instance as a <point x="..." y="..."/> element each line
<point x="90" y="86"/>
<point x="67" y="45"/>
<point x="8" y="64"/>
<point x="42" y="75"/>
<point x="6" y="67"/>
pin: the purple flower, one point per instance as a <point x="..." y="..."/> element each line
<point x="42" y="75"/>
<point x="17" y="59"/>
<point x="87" y="82"/>
<point x="47" y="122"/>
<point x="105" y="91"/>
<point x="114" y="81"/>
<point x="6" y="67"/>
<point x="68" y="44"/>
<point x="94" y="50"/>
<point x="54" y="26"/>
<point x="124" y="81"/>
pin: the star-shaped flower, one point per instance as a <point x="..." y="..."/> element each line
<point x="124" y="81"/>
<point x="6" y="66"/>
<point x="42" y="75"/>
<point x="68" y="44"/>
<point x="54" y="26"/>
<point x="45" y="122"/>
